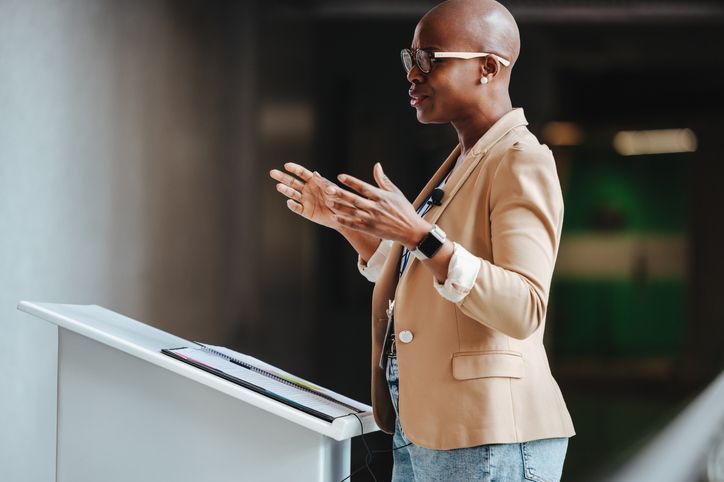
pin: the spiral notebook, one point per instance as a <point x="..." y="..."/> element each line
<point x="268" y="380"/>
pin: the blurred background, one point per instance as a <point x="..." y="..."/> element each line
<point x="136" y="138"/>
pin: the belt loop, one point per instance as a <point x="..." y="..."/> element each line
<point x="393" y="347"/>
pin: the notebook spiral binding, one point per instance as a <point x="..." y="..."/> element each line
<point x="277" y="378"/>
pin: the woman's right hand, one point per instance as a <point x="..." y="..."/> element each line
<point x="306" y="193"/>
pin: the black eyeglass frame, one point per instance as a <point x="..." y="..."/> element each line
<point x="414" y="58"/>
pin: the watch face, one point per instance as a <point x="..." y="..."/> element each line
<point x="432" y="242"/>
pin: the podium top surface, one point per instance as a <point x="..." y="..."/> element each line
<point x="145" y="342"/>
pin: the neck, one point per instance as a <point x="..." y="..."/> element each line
<point x="470" y="129"/>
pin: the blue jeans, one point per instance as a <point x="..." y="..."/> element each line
<point x="536" y="460"/>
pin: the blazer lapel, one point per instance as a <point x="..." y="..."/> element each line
<point x="507" y="123"/>
<point x="457" y="179"/>
<point x="437" y="177"/>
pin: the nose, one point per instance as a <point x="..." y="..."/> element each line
<point x="415" y="75"/>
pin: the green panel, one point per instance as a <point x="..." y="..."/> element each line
<point x="617" y="318"/>
<point x="606" y="191"/>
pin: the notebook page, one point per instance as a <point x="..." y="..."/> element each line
<point x="286" y="375"/>
<point x="294" y="394"/>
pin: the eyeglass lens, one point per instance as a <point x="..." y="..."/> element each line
<point x="406" y="60"/>
<point x="422" y="59"/>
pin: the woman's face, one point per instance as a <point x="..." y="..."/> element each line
<point x="452" y="89"/>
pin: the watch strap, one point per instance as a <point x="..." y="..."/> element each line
<point x="430" y="244"/>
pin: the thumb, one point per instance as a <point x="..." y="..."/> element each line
<point x="382" y="180"/>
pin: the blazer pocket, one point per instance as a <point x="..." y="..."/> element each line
<point x="468" y="365"/>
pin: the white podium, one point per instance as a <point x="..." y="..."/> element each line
<point x="126" y="412"/>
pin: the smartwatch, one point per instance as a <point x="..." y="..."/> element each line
<point x="430" y="244"/>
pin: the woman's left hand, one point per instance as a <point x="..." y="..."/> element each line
<point x="381" y="211"/>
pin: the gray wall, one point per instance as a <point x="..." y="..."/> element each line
<point x="119" y="182"/>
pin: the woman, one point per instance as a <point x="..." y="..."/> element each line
<point x="459" y="371"/>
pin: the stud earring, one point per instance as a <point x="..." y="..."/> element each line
<point x="483" y="80"/>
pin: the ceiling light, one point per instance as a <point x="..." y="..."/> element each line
<point x="661" y="141"/>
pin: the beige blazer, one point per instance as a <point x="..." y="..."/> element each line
<point x="476" y="372"/>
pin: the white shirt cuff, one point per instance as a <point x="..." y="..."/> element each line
<point x="461" y="275"/>
<point x="373" y="268"/>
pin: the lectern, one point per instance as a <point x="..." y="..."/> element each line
<point x="126" y="412"/>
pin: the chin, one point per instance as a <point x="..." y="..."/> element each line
<point x="426" y="118"/>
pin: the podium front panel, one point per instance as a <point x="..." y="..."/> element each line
<point x="121" y="419"/>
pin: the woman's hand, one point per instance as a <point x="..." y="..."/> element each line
<point x="306" y="193"/>
<point x="381" y="211"/>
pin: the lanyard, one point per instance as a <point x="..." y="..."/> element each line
<point x="421" y="211"/>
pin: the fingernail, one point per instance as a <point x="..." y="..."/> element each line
<point x="342" y="177"/>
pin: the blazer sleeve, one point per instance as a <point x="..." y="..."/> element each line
<point x="510" y="294"/>
<point x="372" y="269"/>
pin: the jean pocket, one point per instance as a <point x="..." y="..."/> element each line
<point x="543" y="459"/>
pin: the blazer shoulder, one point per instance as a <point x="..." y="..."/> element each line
<point x="524" y="140"/>
<point x="521" y="146"/>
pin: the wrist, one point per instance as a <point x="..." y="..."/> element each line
<point x="417" y="234"/>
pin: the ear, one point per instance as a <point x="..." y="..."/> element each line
<point x="489" y="66"/>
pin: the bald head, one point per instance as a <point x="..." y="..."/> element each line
<point x="484" y="25"/>
<point x="465" y="92"/>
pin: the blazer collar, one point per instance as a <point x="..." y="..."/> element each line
<point x="497" y="131"/>
<point x="388" y="279"/>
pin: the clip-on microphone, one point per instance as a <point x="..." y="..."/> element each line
<point x="437" y="195"/>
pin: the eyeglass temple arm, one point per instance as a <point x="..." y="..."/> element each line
<point x="469" y="55"/>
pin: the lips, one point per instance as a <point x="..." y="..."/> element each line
<point x="417" y="98"/>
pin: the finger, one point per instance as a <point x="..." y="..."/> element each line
<point x="336" y="202"/>
<point x="321" y="184"/>
<point x="344" y="209"/>
<point x="300" y="171"/>
<point x="295" y="206"/>
<point x="346" y="197"/>
<point x="382" y="180"/>
<point x="289" y="192"/>
<point x="379" y="176"/>
<point x="275" y="174"/>
<point x="327" y="188"/>
<point x="366" y="190"/>
<point x="351" y="222"/>
<point x="320" y="180"/>
<point x="285" y="178"/>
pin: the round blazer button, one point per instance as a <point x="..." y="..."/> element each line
<point x="406" y="336"/>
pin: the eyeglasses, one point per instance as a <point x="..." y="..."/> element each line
<point x="425" y="58"/>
